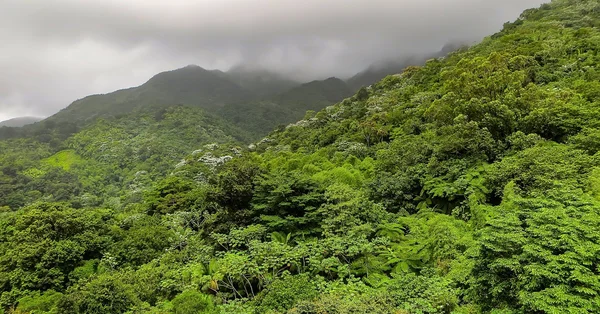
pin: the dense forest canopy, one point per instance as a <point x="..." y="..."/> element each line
<point x="468" y="185"/>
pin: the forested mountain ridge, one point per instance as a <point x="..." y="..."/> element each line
<point x="376" y="72"/>
<point x="467" y="185"/>
<point x="261" y="82"/>
<point x="19" y="122"/>
<point x="224" y="94"/>
<point x="108" y="160"/>
<point x="252" y="99"/>
<point x="191" y="85"/>
<point x="261" y="117"/>
<point x="315" y="95"/>
<point x="102" y="145"/>
<point x="247" y="102"/>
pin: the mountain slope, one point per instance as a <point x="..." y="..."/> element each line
<point x="262" y="116"/>
<point x="108" y="159"/>
<point x="254" y="100"/>
<point x="191" y="85"/>
<point x="500" y="136"/>
<point x="467" y="185"/>
<point x="315" y="95"/>
<point x="19" y="122"/>
<point x="261" y="82"/>
<point x="377" y="72"/>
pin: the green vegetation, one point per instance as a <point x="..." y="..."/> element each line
<point x="19" y="122"/>
<point x="255" y="101"/>
<point x="468" y="185"/>
<point x="64" y="159"/>
<point x="251" y="102"/>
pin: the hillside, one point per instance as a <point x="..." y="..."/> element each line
<point x="467" y="185"/>
<point x="262" y="116"/>
<point x="251" y="99"/>
<point x="108" y="160"/>
<point x="261" y="82"/>
<point x="377" y="72"/>
<point x="191" y="85"/>
<point x="315" y="95"/>
<point x="19" y="122"/>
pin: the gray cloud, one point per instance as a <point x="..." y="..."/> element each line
<point x="55" y="51"/>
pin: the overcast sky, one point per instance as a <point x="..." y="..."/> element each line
<point x="56" y="51"/>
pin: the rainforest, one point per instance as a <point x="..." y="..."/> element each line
<point x="468" y="184"/>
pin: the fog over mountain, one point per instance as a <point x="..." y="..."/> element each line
<point x="20" y="121"/>
<point x="56" y="51"/>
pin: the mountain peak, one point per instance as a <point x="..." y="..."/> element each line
<point x="332" y="79"/>
<point x="187" y="73"/>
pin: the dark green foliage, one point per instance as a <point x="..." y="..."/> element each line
<point x="191" y="85"/>
<point x="541" y="254"/>
<point x="315" y="95"/>
<point x="43" y="243"/>
<point x="286" y="201"/>
<point x="36" y="303"/>
<point x="170" y="195"/>
<point x="139" y="240"/>
<point x="191" y="302"/>
<point x="283" y="294"/>
<point x="104" y="294"/>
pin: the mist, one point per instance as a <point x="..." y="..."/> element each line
<point x="56" y="51"/>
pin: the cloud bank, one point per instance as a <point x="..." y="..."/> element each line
<point x="55" y="51"/>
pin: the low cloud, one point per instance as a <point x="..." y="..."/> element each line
<point x="55" y="51"/>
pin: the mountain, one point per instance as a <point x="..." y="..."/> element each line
<point x="19" y="122"/>
<point x="109" y="158"/>
<point x="315" y="95"/>
<point x="191" y="85"/>
<point x="145" y="129"/>
<point x="376" y="72"/>
<point x="261" y="82"/>
<point x="469" y="184"/>
<point x="253" y="99"/>
<point x="262" y="116"/>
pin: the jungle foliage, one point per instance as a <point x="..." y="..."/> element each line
<point x="468" y="185"/>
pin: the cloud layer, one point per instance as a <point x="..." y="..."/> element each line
<point x="55" y="51"/>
